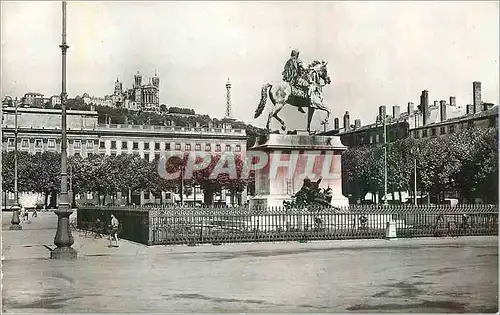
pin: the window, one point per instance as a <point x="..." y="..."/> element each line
<point x="197" y="147"/>
<point x="89" y="195"/>
<point x="124" y="144"/>
<point x="424" y="133"/>
<point x="415" y="134"/>
<point x="217" y="148"/>
<point x="11" y="142"/>
<point x="38" y="143"/>
<point x="167" y="146"/>
<point x="146" y="145"/>
<point x="177" y="146"/>
<point x="113" y="144"/>
<point x="442" y="130"/>
<point x="102" y="145"/>
<point x="157" y="156"/>
<point x="238" y="147"/>
<point x="377" y="138"/>
<point x="157" y="146"/>
<point x="433" y="132"/>
<point x="25" y="143"/>
<point x="371" y="139"/>
<point x="77" y="144"/>
<point x="90" y="144"/>
<point x="187" y="147"/>
<point x="208" y="147"/>
<point x="146" y="157"/>
<point x="451" y="129"/>
<point x="135" y="145"/>
<point x="51" y="143"/>
<point x="228" y="147"/>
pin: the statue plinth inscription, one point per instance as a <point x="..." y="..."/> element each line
<point x="291" y="159"/>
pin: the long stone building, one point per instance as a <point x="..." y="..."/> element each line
<point x="39" y="130"/>
<point x="426" y="120"/>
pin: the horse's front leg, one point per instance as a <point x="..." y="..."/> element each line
<point x="279" y="107"/>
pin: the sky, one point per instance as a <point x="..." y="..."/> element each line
<point x="378" y="53"/>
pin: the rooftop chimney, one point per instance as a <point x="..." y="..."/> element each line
<point x="346" y="121"/>
<point x="487" y="106"/>
<point x="410" y="108"/>
<point x="476" y="90"/>
<point x="424" y="106"/>
<point x="395" y="111"/>
<point x="469" y="109"/>
<point x="453" y="101"/>
<point x="382" y="112"/>
<point x="357" y="123"/>
<point x="336" y="123"/>
<point x="442" y="110"/>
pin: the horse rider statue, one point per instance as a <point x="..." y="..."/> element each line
<point x="301" y="87"/>
<point x="295" y="74"/>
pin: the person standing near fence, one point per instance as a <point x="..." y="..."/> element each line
<point x="113" y="234"/>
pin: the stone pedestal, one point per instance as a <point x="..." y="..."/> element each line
<point x="291" y="158"/>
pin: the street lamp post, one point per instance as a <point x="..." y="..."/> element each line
<point x="15" y="222"/>
<point x="385" y="160"/>
<point x="63" y="239"/>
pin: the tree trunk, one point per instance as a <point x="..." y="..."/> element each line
<point x="208" y="195"/>
<point x="53" y="199"/>
<point x="46" y="200"/>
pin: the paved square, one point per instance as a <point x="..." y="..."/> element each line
<point x="423" y="275"/>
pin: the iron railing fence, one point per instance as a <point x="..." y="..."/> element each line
<point x="197" y="225"/>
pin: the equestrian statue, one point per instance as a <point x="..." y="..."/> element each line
<point x="301" y="87"/>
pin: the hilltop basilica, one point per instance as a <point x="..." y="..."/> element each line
<point x="140" y="97"/>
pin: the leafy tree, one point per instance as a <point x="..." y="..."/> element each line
<point x="47" y="175"/>
<point x="25" y="171"/>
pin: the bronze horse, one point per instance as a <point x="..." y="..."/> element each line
<point x="282" y="94"/>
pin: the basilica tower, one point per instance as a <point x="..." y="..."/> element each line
<point x="137" y="88"/>
<point x="118" y="87"/>
<point x="156" y="81"/>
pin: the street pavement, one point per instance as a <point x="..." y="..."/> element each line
<point x="404" y="275"/>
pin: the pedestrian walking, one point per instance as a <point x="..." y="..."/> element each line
<point x="113" y="234"/>
<point x="25" y="213"/>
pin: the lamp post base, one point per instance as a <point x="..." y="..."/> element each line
<point x="63" y="239"/>
<point x="63" y="253"/>
<point x="15" y="219"/>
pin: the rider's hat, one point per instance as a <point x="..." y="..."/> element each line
<point x="295" y="52"/>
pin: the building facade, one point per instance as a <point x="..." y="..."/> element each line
<point x="39" y="130"/>
<point x="33" y="99"/>
<point x="426" y="120"/>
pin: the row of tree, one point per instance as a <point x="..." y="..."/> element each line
<point x="108" y="175"/>
<point x="462" y="164"/>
